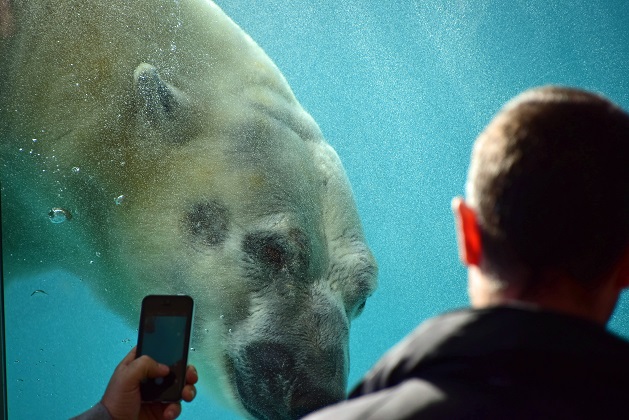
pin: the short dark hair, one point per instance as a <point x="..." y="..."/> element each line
<point x="549" y="180"/>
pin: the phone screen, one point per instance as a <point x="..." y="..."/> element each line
<point x="164" y="335"/>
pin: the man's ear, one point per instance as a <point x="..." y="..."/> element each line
<point x="467" y="232"/>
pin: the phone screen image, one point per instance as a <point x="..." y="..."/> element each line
<point x="165" y="336"/>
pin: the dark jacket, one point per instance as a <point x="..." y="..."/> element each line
<point x="498" y="363"/>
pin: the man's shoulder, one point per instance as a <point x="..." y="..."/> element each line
<point x="395" y="366"/>
<point x="472" y="342"/>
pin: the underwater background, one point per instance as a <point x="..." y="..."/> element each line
<point x="400" y="89"/>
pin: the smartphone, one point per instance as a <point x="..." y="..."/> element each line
<point x="164" y="335"/>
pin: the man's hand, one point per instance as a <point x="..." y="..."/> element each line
<point x="122" y="396"/>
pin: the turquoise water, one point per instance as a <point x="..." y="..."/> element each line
<point x="400" y="89"/>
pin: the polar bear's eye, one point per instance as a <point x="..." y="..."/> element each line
<point x="269" y="248"/>
<point x="284" y="251"/>
<point x="358" y="290"/>
<point x="274" y="255"/>
<point x="357" y="309"/>
<point x="361" y="307"/>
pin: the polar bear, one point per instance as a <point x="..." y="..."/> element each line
<point x="153" y="147"/>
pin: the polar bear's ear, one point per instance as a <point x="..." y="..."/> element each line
<point x="161" y="106"/>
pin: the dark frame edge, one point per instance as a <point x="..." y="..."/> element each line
<point x="3" y="371"/>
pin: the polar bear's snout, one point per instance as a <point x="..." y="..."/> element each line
<point x="274" y="384"/>
<point x="292" y="357"/>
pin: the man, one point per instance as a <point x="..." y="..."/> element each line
<point x="544" y="231"/>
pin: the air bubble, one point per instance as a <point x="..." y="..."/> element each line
<point x="59" y="215"/>
<point x="75" y="170"/>
<point x="119" y="200"/>
<point x="222" y="316"/>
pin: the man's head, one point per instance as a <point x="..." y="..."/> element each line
<point x="548" y="189"/>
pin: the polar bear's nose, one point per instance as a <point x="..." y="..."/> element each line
<point x="311" y="398"/>
<point x="274" y="383"/>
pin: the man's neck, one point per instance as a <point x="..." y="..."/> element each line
<point x="559" y="294"/>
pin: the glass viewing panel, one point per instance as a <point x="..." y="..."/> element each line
<point x="152" y="147"/>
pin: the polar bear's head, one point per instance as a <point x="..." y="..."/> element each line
<point x="254" y="218"/>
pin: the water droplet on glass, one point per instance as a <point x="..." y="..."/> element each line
<point x="59" y="215"/>
<point x="118" y="200"/>
<point x="76" y="170"/>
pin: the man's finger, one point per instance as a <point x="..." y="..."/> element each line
<point x="129" y="357"/>
<point x="191" y="375"/>
<point x="145" y="367"/>
<point x="172" y="411"/>
<point x="188" y="393"/>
